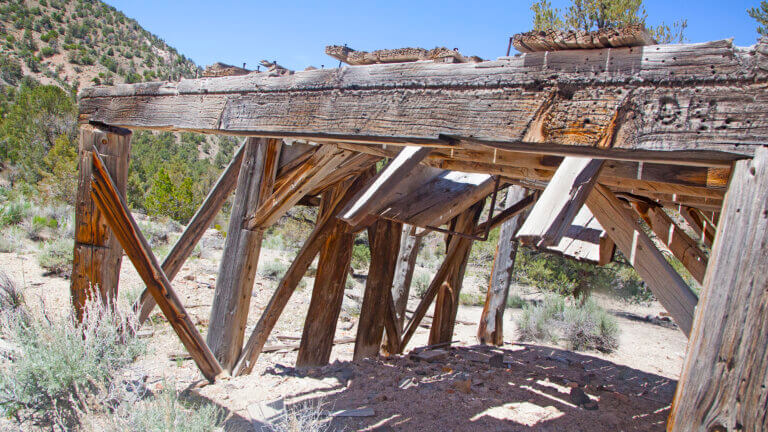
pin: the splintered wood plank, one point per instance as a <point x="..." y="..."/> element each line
<point x="682" y="246"/>
<point x="393" y="178"/>
<point x="328" y="290"/>
<point x="194" y="230"/>
<point x="376" y="309"/>
<point x="97" y="253"/>
<point x="107" y="197"/>
<point x="293" y="276"/>
<point x="491" y="328"/>
<point x="585" y="240"/>
<point x="440" y="199"/>
<point x="722" y="385"/>
<point x="562" y="199"/>
<point x="664" y="282"/>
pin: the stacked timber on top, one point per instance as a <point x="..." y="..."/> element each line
<point x="556" y="40"/>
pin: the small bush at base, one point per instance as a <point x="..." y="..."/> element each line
<point x="56" y="256"/>
<point x="471" y="299"/>
<point x="515" y="301"/>
<point x="274" y="269"/>
<point x="305" y="417"/>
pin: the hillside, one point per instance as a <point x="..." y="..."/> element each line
<point x="75" y="43"/>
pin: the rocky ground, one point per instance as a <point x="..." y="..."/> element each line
<point x="466" y="387"/>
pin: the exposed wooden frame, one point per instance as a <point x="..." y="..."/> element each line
<point x="705" y="228"/>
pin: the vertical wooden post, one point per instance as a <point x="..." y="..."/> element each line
<point x="328" y="291"/>
<point x="722" y="386"/>
<point x="401" y="283"/>
<point x="385" y="246"/>
<point x="490" y="330"/>
<point x="232" y="298"/>
<point x="97" y="253"/>
<point x="447" y="303"/>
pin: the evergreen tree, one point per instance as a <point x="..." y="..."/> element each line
<point x="760" y="14"/>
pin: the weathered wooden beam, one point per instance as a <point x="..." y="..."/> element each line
<point x="508" y="213"/>
<point x="112" y="206"/>
<point x="685" y="100"/>
<point x="376" y="309"/>
<point x="682" y="246"/>
<point x="381" y="188"/>
<point x="401" y="282"/>
<point x="562" y="199"/>
<point x="97" y="254"/>
<point x="292" y="277"/>
<point x="491" y="328"/>
<point x="237" y="271"/>
<point x="447" y="301"/>
<point x="664" y="282"/>
<point x="194" y="230"/>
<point x="700" y="224"/>
<point x="722" y="385"/>
<point x="585" y="240"/>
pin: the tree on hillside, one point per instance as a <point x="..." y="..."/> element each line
<point x="760" y="14"/>
<point x="597" y="14"/>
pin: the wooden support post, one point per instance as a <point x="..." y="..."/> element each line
<point x="700" y="224"/>
<point x="232" y="298"/>
<point x="490" y="330"/>
<point x="194" y="231"/>
<point x="295" y="272"/>
<point x="447" y="303"/>
<point x="722" y="385"/>
<point x="97" y="253"/>
<point x="623" y="227"/>
<point x="401" y="283"/>
<point x="560" y="202"/>
<point x="682" y="246"/>
<point x="328" y="291"/>
<point x="115" y="212"/>
<point x="376" y="309"/>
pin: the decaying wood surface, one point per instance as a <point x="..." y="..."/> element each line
<point x="491" y="328"/>
<point x="112" y="206"/>
<point x="401" y="282"/>
<point x="700" y="224"/>
<point x="328" y="290"/>
<point x="376" y="309"/>
<point x="237" y="270"/>
<point x="219" y="69"/>
<point x="561" y="200"/>
<point x="555" y="40"/>
<point x="663" y="281"/>
<point x="97" y="254"/>
<point x="693" y="103"/>
<point x="585" y="240"/>
<point x="397" y="55"/>
<point x="722" y="385"/>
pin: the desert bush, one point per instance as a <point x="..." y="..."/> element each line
<point x="274" y="269"/>
<point x="302" y="417"/>
<point x="420" y="282"/>
<point x="11" y="239"/>
<point x="11" y="297"/>
<point x="56" y="256"/>
<point x="515" y="301"/>
<point x="471" y="299"/>
<point x="361" y="253"/>
<point x="14" y="212"/>
<point x="274" y="240"/>
<point x="38" y="226"/>
<point x="65" y="369"/>
<point x="539" y="322"/>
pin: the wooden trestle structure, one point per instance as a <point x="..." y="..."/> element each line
<point x="591" y="144"/>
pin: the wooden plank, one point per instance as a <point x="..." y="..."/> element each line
<point x="722" y="385"/>
<point x="237" y="270"/>
<point x="376" y="309"/>
<point x="440" y="199"/>
<point x="97" y="253"/>
<point x="624" y="229"/>
<point x="584" y="240"/>
<point x="401" y="282"/>
<point x="194" y="230"/>
<point x="666" y="88"/>
<point x="700" y="224"/>
<point x="292" y="277"/>
<point x="328" y="290"/>
<point x="447" y="301"/>
<point x="491" y="328"/>
<point x="682" y="246"/>
<point x="562" y="199"/>
<point x="508" y="213"/>
<point x="112" y="206"/>
<point x="384" y="185"/>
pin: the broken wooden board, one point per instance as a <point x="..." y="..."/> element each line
<point x="585" y="240"/>
<point x="398" y="55"/>
<point x="556" y="40"/>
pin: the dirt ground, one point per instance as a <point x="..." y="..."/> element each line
<point x="516" y="387"/>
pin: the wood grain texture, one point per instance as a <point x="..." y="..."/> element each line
<point x="401" y="282"/>
<point x="625" y="230"/>
<point x="699" y="223"/>
<point x="97" y="253"/>
<point x="491" y="327"/>
<point x="722" y="385"/>
<point x="114" y="209"/>
<point x="376" y="308"/>
<point x="584" y="240"/>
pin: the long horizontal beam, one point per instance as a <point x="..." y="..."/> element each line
<point x="698" y="103"/>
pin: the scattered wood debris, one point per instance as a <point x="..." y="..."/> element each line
<point x="557" y="40"/>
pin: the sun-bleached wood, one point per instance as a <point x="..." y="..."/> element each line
<point x="401" y="282"/>
<point x="664" y="282"/>
<point x="562" y="199"/>
<point x="97" y="253"/>
<point x="117" y="215"/>
<point x="699" y="223"/>
<point x="722" y="385"/>
<point x="585" y="240"/>
<point x="491" y="327"/>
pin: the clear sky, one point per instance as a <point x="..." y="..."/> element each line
<point x="295" y="32"/>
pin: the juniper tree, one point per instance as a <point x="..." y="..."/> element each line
<point x="760" y="14"/>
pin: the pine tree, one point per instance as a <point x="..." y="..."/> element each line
<point x="760" y="14"/>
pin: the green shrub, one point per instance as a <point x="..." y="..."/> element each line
<point x="515" y="301"/>
<point x="56" y="256"/>
<point x="361" y="255"/>
<point x="420" y="282"/>
<point x="11" y="239"/>
<point x="471" y="299"/>
<point x="274" y="269"/>
<point x="14" y="213"/>
<point x="540" y="322"/>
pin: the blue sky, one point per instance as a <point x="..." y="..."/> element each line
<point x="296" y="32"/>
